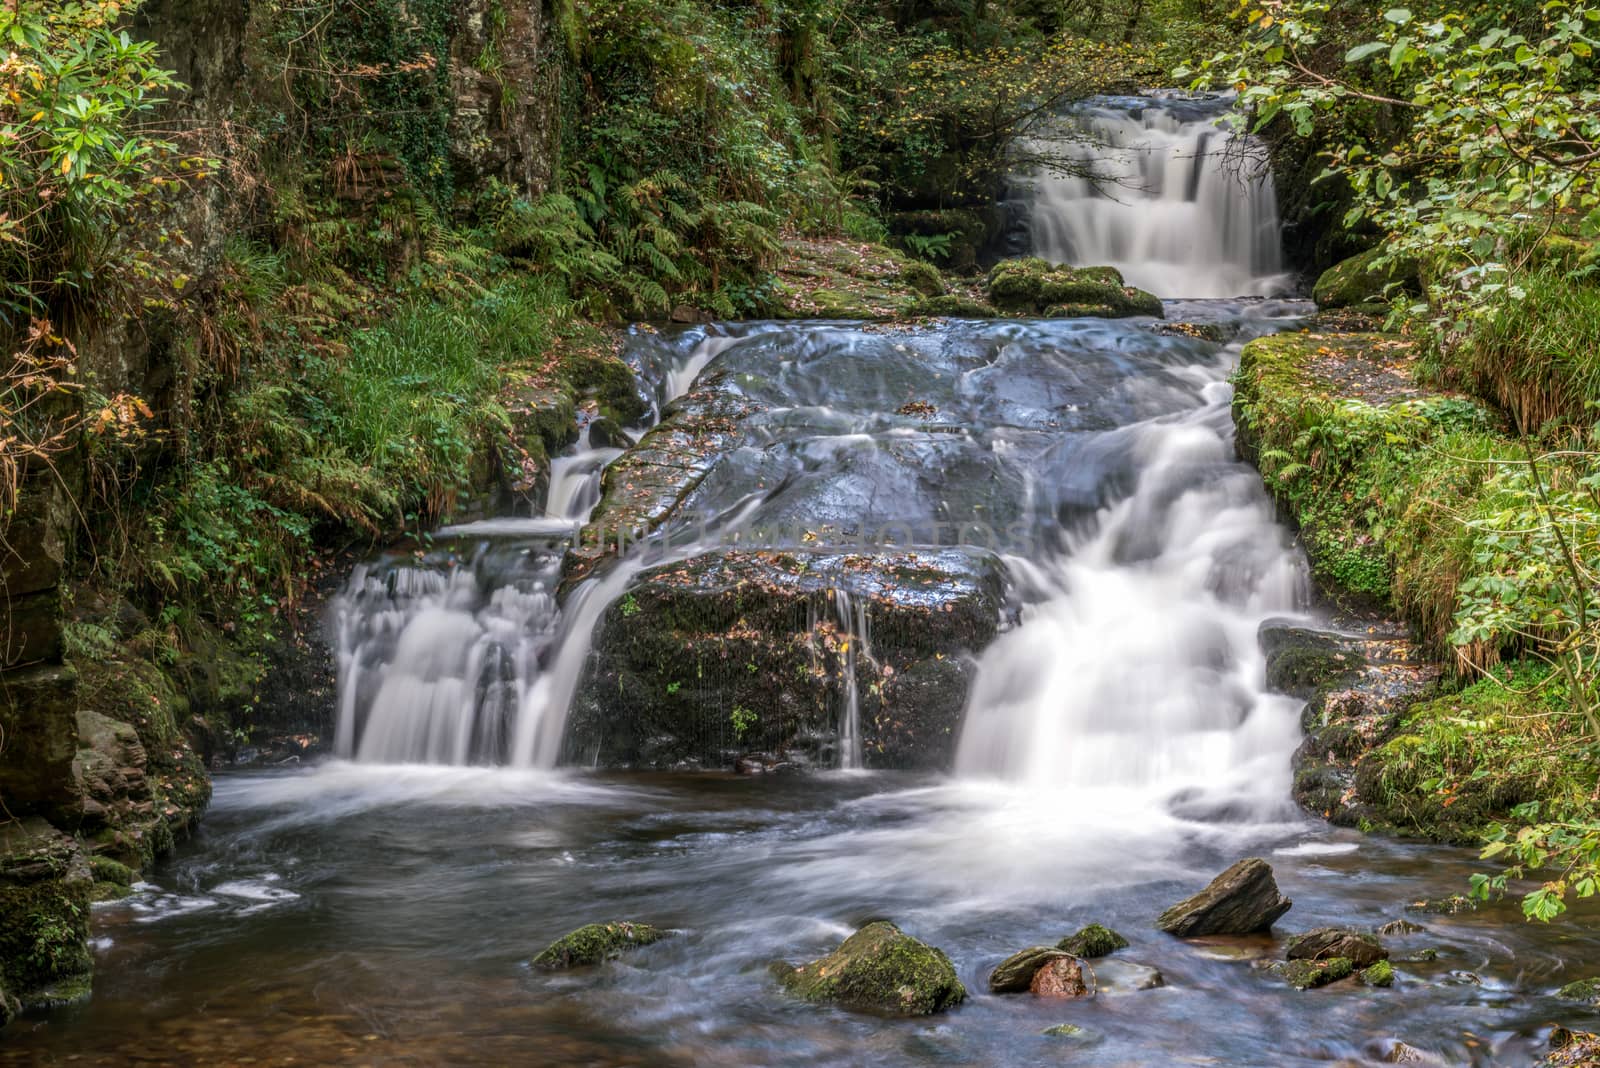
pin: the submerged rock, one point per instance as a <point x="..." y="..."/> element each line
<point x="1125" y="976"/>
<point x="1453" y="905"/>
<point x="1015" y="974"/>
<point x="879" y="968"/>
<point x="1379" y="974"/>
<point x="1242" y="900"/>
<point x="1065" y="1031"/>
<point x="1400" y="928"/>
<point x="1324" y="943"/>
<point x="1093" y="941"/>
<point x="1582" y="990"/>
<point x="1309" y="974"/>
<point x="596" y="942"/>
<point x="1061" y="977"/>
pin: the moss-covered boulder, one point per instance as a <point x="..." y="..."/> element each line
<point x="1324" y="943"/>
<point x="44" y="912"/>
<point x="952" y="306"/>
<point x="1014" y="975"/>
<point x="1362" y="280"/>
<point x="880" y="969"/>
<point x="1582" y="990"/>
<point x="1242" y="900"/>
<point x="1036" y="287"/>
<point x="1380" y="974"/>
<point x="1093" y="941"/>
<point x="596" y="942"/>
<point x="1310" y="974"/>
<point x="923" y="277"/>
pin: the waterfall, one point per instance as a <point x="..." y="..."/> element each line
<point x="465" y="657"/>
<point x="851" y="615"/>
<point x="1139" y="667"/>
<point x="1165" y="192"/>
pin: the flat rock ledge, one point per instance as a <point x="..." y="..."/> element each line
<point x="1242" y="900"/>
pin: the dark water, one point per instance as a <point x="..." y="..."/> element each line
<point x="350" y="914"/>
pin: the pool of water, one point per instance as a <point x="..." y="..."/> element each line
<point x="343" y="913"/>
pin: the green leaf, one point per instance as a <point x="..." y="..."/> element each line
<point x="1398" y="15"/>
<point x="1364" y="51"/>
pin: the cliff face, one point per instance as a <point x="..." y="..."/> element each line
<point x="102" y="761"/>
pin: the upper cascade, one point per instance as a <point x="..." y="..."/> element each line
<point x="1165" y="191"/>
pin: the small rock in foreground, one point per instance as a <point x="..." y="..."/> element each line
<point x="1453" y="905"/>
<point x="1060" y="978"/>
<point x="879" y="968"/>
<point x="1325" y="943"/>
<point x="596" y="942"/>
<point x="1092" y="942"/>
<point x="1242" y="900"/>
<point x="1582" y="990"/>
<point x="1309" y="974"/>
<point x="1014" y="975"/>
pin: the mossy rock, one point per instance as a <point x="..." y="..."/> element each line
<point x="1361" y="280"/>
<point x="1065" y="1031"/>
<point x="952" y="306"/>
<point x="1033" y="286"/>
<point x="1310" y="974"/>
<point x="1454" y="905"/>
<point x="1092" y="942"/>
<point x="881" y="969"/>
<point x="1379" y="974"/>
<point x="924" y="278"/>
<point x="1582" y="990"/>
<point x="1326" y="943"/>
<point x="106" y="870"/>
<point x="596" y="942"/>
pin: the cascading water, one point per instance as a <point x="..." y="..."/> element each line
<point x="851" y="614"/>
<point x="1164" y="191"/>
<point x="445" y="662"/>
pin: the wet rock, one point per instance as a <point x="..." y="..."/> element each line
<point x="1379" y="974"/>
<point x="607" y="434"/>
<point x="1303" y="660"/>
<point x="1572" y="1049"/>
<point x="1065" y="1030"/>
<point x="1242" y="900"/>
<point x="1125" y="976"/>
<point x="44" y="911"/>
<point x="1061" y="977"/>
<point x="1400" y="1053"/>
<point x="1421" y="956"/>
<point x="1015" y="974"/>
<point x="1582" y="990"/>
<point x="735" y="652"/>
<point x="1309" y="974"/>
<point x="1359" y="281"/>
<point x="1093" y="941"/>
<point x="1462" y="978"/>
<point x="1454" y="905"/>
<point x="1036" y="287"/>
<point x="596" y="942"/>
<point x="1400" y="928"/>
<point x="879" y="968"/>
<point x="1327" y="942"/>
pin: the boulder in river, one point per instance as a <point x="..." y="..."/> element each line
<point x="596" y="942"/>
<point x="1093" y="941"/>
<point x="1061" y="977"/>
<point x="1325" y="943"/>
<point x="1379" y="974"/>
<point x="1453" y="905"/>
<point x="879" y="968"/>
<point x="1309" y="974"/>
<point x="1014" y="975"/>
<point x="1242" y="900"/>
<point x="1582" y="990"/>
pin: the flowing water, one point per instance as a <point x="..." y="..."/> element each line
<point x="1119" y="749"/>
<point x="1162" y="191"/>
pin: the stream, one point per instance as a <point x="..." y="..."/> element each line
<point x="1117" y="750"/>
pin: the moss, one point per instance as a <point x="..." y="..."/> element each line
<point x="1093" y="941"/>
<point x="1310" y="974"/>
<point x="44" y="931"/>
<point x="880" y="968"/>
<point x="596" y="942"/>
<point x="952" y="306"/>
<point x="106" y="870"/>
<point x="1379" y="974"/>
<point x="1360" y="279"/>
<point x="924" y="278"/>
<point x="1582" y="990"/>
<point x="1034" y="286"/>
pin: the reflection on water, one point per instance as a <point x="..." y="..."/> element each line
<point x="346" y="913"/>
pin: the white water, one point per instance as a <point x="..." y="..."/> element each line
<point x="1140" y="672"/>
<point x="851" y="615"/>
<point x="1162" y="199"/>
<point x="435" y="669"/>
